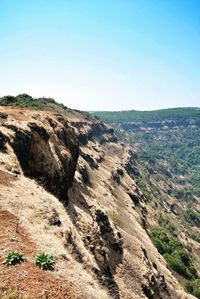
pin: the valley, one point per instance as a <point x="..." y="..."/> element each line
<point x="166" y="150"/>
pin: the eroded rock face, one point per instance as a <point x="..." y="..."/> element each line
<point x="21" y="145"/>
<point x="105" y="244"/>
<point x="96" y="130"/>
<point x="47" y="153"/>
<point x="53" y="158"/>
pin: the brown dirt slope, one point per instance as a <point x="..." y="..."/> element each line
<point x="26" y="277"/>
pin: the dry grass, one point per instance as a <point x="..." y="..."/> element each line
<point x="6" y="178"/>
<point x="115" y="217"/>
<point x="103" y="295"/>
<point x="11" y="294"/>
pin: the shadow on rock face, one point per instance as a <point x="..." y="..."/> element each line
<point x="50" y="158"/>
<point x="3" y="141"/>
<point x="108" y="252"/>
<point x="100" y="238"/>
<point x="22" y="145"/>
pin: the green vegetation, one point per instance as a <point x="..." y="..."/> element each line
<point x="174" y="253"/>
<point x="45" y="261"/>
<point x="195" y="236"/>
<point x="42" y="103"/>
<point x="165" y="222"/>
<point x="194" y="288"/>
<point x="182" y="115"/>
<point x="141" y="184"/>
<point x="182" y="194"/>
<point x="192" y="216"/>
<point x="172" y="150"/>
<point x="14" y="258"/>
<point x="174" y="154"/>
<point x="26" y="101"/>
<point x="167" y="160"/>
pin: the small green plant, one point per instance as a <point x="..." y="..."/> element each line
<point x="14" y="258"/>
<point x="45" y="261"/>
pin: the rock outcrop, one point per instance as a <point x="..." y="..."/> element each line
<point x="47" y="150"/>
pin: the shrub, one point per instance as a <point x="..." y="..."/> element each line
<point x="163" y="242"/>
<point x="182" y="194"/>
<point x="174" y="253"/>
<point x="192" y="216"/>
<point x="194" y="287"/>
<point x="14" y="258"/>
<point x="195" y="236"/>
<point x="175" y="263"/>
<point x="166" y="223"/>
<point x="45" y="261"/>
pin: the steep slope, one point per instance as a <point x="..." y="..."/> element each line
<point x="67" y="189"/>
<point x="165" y="147"/>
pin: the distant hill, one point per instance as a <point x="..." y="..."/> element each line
<point x="178" y="114"/>
<point x="171" y="135"/>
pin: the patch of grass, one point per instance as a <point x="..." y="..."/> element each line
<point x="14" y="258"/>
<point x="45" y="261"/>
<point x="11" y="294"/>
<point x="115" y="217"/>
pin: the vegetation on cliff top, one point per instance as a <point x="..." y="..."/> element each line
<point x="41" y="103"/>
<point x="26" y="101"/>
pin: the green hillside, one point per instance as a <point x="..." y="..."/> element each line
<point x="178" y="114"/>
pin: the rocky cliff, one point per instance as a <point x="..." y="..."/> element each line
<point x="66" y="187"/>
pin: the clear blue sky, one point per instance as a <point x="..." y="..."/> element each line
<point x="102" y="54"/>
